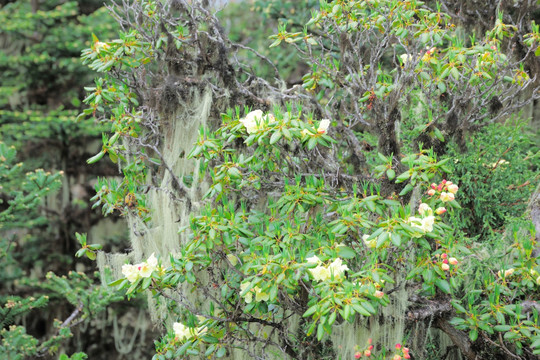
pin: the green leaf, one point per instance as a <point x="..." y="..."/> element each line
<point x="311" y="310"/>
<point x="96" y="158"/>
<point x="406" y="189"/>
<point x="502" y="328"/>
<point x="221" y="352"/>
<point x="90" y="254"/>
<point x="473" y="335"/>
<point x="443" y="285"/>
<point x="346" y="252"/>
<point x="312" y="143"/>
<point x="391" y="174"/>
<point x="275" y="137"/>
<point x="320" y="331"/>
<point x="382" y="239"/>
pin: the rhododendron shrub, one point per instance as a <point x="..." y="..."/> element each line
<point x="286" y="228"/>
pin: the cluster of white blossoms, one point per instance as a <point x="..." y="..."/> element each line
<point x="259" y="294"/>
<point x="322" y="273"/>
<point x="142" y="270"/>
<point x="425" y="224"/>
<point x="183" y="332"/>
<point x="255" y="121"/>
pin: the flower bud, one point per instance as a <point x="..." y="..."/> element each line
<point x="509" y="272"/>
<point x="358" y="355"/>
<point x="367" y="353"/>
<point x="431" y="192"/>
<point x="453" y="188"/>
<point x="444" y="256"/>
<point x="453" y="261"/>
<point x="396" y="357"/>
<point x="398" y="346"/>
<point x="440" y="210"/>
<point x="445" y="267"/>
<point x="433" y="186"/>
<point x="445" y="261"/>
<point x="379" y="294"/>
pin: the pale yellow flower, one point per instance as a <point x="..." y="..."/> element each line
<point x="424" y="209"/>
<point x="101" y="45"/>
<point x="130" y="272"/>
<point x="260" y="295"/>
<point x="313" y="260"/>
<point x="248" y="297"/>
<point x="447" y="196"/>
<point x="337" y="268"/>
<point x="427" y="223"/>
<point x="253" y="121"/>
<point x="181" y="332"/>
<point x="506" y="273"/>
<point x="320" y="273"/>
<point x="323" y="126"/>
<point x="405" y="58"/>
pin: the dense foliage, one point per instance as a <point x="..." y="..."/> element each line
<point x="301" y="229"/>
<point x="354" y="186"/>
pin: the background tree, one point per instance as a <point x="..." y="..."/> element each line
<point x="45" y="146"/>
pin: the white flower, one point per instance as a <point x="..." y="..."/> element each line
<point x="248" y="297"/>
<point x="447" y="196"/>
<point x="424" y="208"/>
<point x="130" y="272"/>
<point x="406" y="58"/>
<point x="253" y="121"/>
<point x="337" y="268"/>
<point x="148" y="267"/>
<point x="415" y="222"/>
<point x="320" y="273"/>
<point x="152" y="261"/>
<point x="101" y="45"/>
<point x="427" y="223"/>
<point x="260" y="295"/>
<point x="181" y="331"/>
<point x="313" y="260"/>
<point x="323" y="126"/>
<point x="453" y="188"/>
